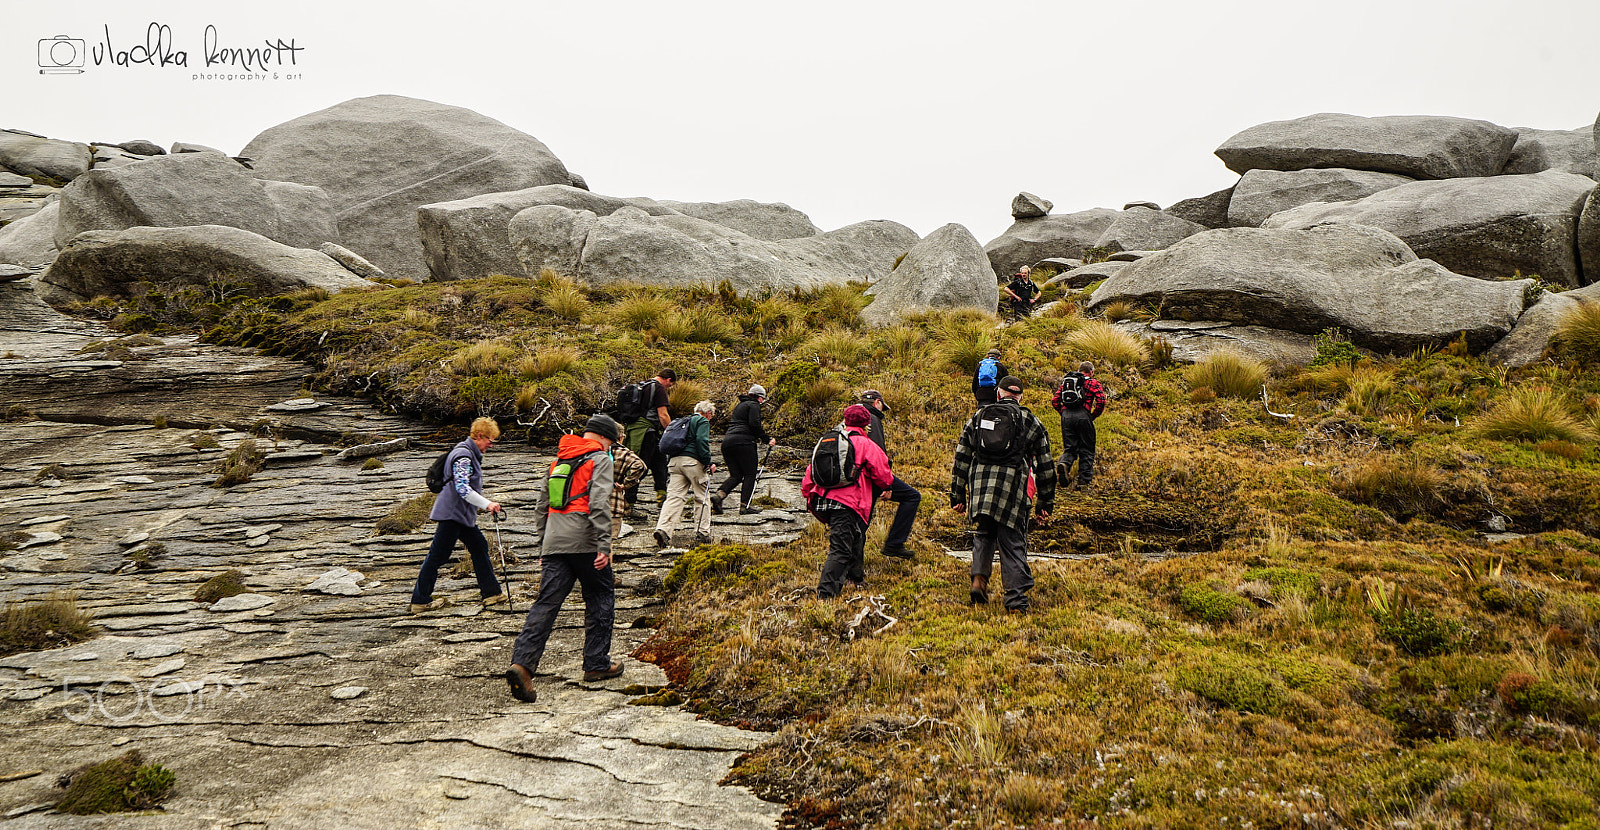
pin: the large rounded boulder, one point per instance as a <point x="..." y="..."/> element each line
<point x="31" y="155"/>
<point x="1058" y="235"/>
<point x="1261" y="193"/>
<point x="381" y="158"/>
<point x="947" y="269"/>
<point x="1568" y="151"/>
<point x="1419" y="146"/>
<point x="1142" y="228"/>
<point x="1490" y="227"/>
<point x="772" y="221"/>
<point x="1360" y="279"/>
<point x="223" y="258"/>
<point x="194" y="189"/>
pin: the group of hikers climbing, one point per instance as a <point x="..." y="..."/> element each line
<point x="1004" y="479"/>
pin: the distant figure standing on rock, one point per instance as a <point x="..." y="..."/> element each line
<point x="1022" y="292"/>
<point x="1002" y="457"/>
<point x="739" y="450"/>
<point x="572" y="527"/>
<point x="1080" y="399"/>
<point x="456" y="510"/>
<point x="986" y="378"/>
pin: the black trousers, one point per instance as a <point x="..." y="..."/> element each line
<point x="599" y="610"/>
<point x="445" y="537"/>
<point x="1077" y="438"/>
<point x="847" y="536"/>
<point x="740" y="459"/>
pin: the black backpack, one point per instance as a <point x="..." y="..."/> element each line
<point x="633" y="401"/>
<point x="833" y="460"/>
<point x="436" y="473"/>
<point x="999" y="432"/>
<point x="1071" y="393"/>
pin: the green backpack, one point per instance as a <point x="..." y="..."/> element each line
<point x="560" y="481"/>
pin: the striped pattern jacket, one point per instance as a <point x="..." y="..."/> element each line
<point x="999" y="491"/>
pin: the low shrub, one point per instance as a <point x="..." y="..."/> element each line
<point x="36" y="625"/>
<point x="225" y="584"/>
<point x="1533" y="413"/>
<point x="1229" y="374"/>
<point x="1418" y="632"/>
<point x="406" y="517"/>
<point x="706" y="563"/>
<point x="372" y="464"/>
<point x="1333" y="349"/>
<point x="119" y="785"/>
<point x="1207" y="603"/>
<point x="1231" y="682"/>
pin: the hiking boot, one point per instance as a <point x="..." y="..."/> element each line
<point x="603" y="674"/>
<point x="661" y="496"/>
<point x="897" y="551"/>
<point x="518" y="679"/>
<point x="1062" y="470"/>
<point x="495" y="600"/>
<point x="1017" y="609"/>
<point x="980" y="590"/>
<point x="702" y="538"/>
<point x="663" y="538"/>
<point x="716" y="504"/>
<point x="432" y="605"/>
<point x="749" y="511"/>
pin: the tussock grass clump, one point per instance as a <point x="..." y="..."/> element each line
<point x="239" y="464"/>
<point x="373" y="463"/>
<point x="683" y="395"/>
<point x="1403" y="487"/>
<point x="1229" y="374"/>
<point x="548" y="363"/>
<point x="839" y="345"/>
<point x="1370" y="388"/>
<point x="486" y="357"/>
<point x="704" y="564"/>
<point x="419" y="320"/>
<point x="1533" y="413"/>
<point x="407" y="516"/>
<point x="964" y="341"/>
<point x="122" y="784"/>
<point x="566" y="302"/>
<point x="204" y="441"/>
<point x="710" y="325"/>
<point x="225" y="584"/>
<point x="1118" y="310"/>
<point x="836" y="305"/>
<point x="824" y="391"/>
<point x="36" y="625"/>
<point x="906" y="345"/>
<point x="1577" y="336"/>
<point x="1106" y="342"/>
<point x="640" y="312"/>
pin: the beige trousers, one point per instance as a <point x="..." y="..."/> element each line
<point x="686" y="475"/>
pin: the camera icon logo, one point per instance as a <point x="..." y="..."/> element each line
<point x="61" y="55"/>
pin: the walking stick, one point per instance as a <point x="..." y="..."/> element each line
<point x="500" y="552"/>
<point x="762" y="467"/>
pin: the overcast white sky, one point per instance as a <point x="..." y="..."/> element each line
<point x="925" y="113"/>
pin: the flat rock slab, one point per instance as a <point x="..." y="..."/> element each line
<point x="241" y="602"/>
<point x="298" y="405"/>
<point x="348" y="692"/>
<point x="43" y="520"/>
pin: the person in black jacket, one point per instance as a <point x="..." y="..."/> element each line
<point x="902" y="494"/>
<point x="739" y="450"/>
<point x="986" y="378"/>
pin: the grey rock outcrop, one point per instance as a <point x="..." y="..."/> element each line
<point x="194" y="189"/>
<point x="141" y="147"/>
<point x="1526" y="344"/>
<point x="190" y="147"/>
<point x="1358" y="278"/>
<point x="468" y="238"/>
<point x="771" y="221"/>
<point x="31" y="240"/>
<point x="1489" y="227"/>
<point x="1262" y="193"/>
<point x="34" y="155"/>
<point x="1142" y="204"/>
<point x="1086" y="275"/>
<point x="675" y="250"/>
<point x="1567" y="151"/>
<point x="380" y="158"/>
<point x="109" y="156"/>
<point x="1589" y="237"/>
<point x="1141" y="228"/>
<point x="1420" y="146"/>
<point x="19" y="200"/>
<point x="108" y="262"/>
<point x="947" y="269"/>
<point x="1210" y="210"/>
<point x="1193" y="342"/>
<point x="1028" y="206"/>
<point x="352" y="261"/>
<point x="1058" y="235"/>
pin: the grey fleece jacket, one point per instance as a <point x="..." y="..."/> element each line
<point x="590" y="533"/>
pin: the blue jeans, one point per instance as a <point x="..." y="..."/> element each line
<point x="599" y="610"/>
<point x="445" y="537"/>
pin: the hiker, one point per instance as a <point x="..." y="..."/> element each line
<point x="838" y="487"/>
<point x="905" y="497"/>
<point x="1022" y="292"/>
<point x="456" y="510"/>
<point x="572" y="528"/>
<point x="690" y="466"/>
<point x="986" y="378"/>
<point x="645" y="419"/>
<point x="739" y="450"/>
<point x="629" y="470"/>
<point x="1000" y="446"/>
<point x="1080" y="399"/>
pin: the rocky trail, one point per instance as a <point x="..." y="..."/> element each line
<point x="314" y="699"/>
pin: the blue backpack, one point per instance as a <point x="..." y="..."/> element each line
<point x="989" y="372"/>
<point x="676" y="438"/>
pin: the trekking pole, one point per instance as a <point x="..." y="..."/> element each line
<point x="500" y="551"/>
<point x="762" y="467"/>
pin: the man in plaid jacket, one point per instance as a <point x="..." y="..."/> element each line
<point x="996" y="497"/>
<point x="630" y="470"/>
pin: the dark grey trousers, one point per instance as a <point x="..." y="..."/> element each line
<point x="847" y="537"/>
<point x="599" y="611"/>
<point x="1012" y="544"/>
<point x="1077" y="438"/>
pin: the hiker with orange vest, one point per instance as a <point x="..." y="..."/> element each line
<point x="572" y="527"/>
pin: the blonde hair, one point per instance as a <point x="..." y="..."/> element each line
<point x="485" y="428"/>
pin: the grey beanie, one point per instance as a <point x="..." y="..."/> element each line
<point x="757" y="389"/>
<point x="602" y="425"/>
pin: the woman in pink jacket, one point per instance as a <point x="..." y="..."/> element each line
<point x="847" y="509"/>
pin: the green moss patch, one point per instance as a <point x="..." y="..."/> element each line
<point x="122" y="784"/>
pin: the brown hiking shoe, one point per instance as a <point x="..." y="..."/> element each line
<point x="980" y="590"/>
<point x="432" y="605"/>
<point x="603" y="674"/>
<point x="518" y="679"/>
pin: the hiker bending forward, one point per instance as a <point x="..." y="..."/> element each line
<point x="456" y="510"/>
<point x="993" y="489"/>
<point x="847" y="509"/>
<point x="575" y="546"/>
